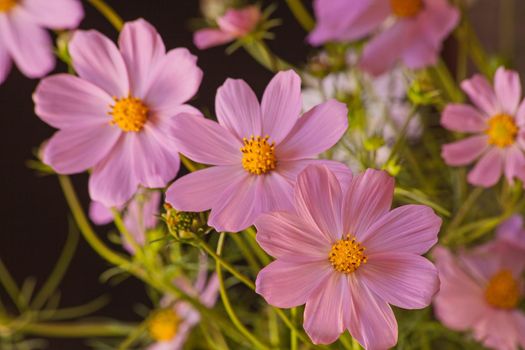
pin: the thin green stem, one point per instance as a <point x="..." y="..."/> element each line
<point x="11" y="288"/>
<point x="245" y="251"/>
<point x="226" y="302"/>
<point x="446" y="79"/>
<point x="108" y="12"/>
<point x="262" y="54"/>
<point x="401" y="138"/>
<point x="301" y="14"/>
<point x="463" y="212"/>
<point x="128" y="237"/>
<point x="251" y="235"/>
<point x="75" y="330"/>
<point x="293" y="333"/>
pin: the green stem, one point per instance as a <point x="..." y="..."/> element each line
<point x="252" y="262"/>
<point x="11" y="288"/>
<point x="252" y="241"/>
<point x="301" y="14"/>
<point x="401" y="138"/>
<point x="125" y="232"/>
<point x="442" y="73"/>
<point x="226" y="302"/>
<point x="462" y="212"/>
<point x="262" y="54"/>
<point x="72" y="330"/>
<point x="108" y="12"/>
<point x="188" y="164"/>
<point x="293" y="333"/>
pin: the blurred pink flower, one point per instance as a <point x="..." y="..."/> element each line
<point x="498" y="121"/>
<point x="234" y="24"/>
<point x="141" y="214"/>
<point x="480" y="291"/>
<point x="512" y="232"/>
<point x="408" y="30"/>
<point x="115" y="118"/>
<point x="347" y="256"/>
<point x="23" y="37"/>
<point x="257" y="150"/>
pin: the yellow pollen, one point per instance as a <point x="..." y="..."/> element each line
<point x="164" y="324"/>
<point x="6" y="5"/>
<point x="406" y="8"/>
<point x="347" y="255"/>
<point x="502" y="130"/>
<point x="129" y="113"/>
<point x="503" y="291"/>
<point x="258" y="155"/>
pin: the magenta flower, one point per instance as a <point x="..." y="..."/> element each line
<point x="347" y="256"/>
<point x="480" y="291"/>
<point x="257" y="150"/>
<point x="23" y="37"/>
<point x="115" y="117"/>
<point x="498" y="122"/>
<point x="234" y="24"/>
<point x="140" y="215"/>
<point x="411" y="31"/>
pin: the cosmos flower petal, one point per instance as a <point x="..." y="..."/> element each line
<point x="97" y="60"/>
<point x="281" y="105"/>
<point x="463" y="118"/>
<point x="100" y="214"/>
<point x="298" y="280"/>
<point x="368" y="198"/>
<point x="507" y="86"/>
<point x="512" y="230"/>
<point x="464" y="151"/>
<point x="489" y="168"/>
<point x="408" y="281"/>
<point x="206" y="38"/>
<point x="290" y="170"/>
<point x="277" y="194"/>
<point x="5" y="62"/>
<point x="56" y="14"/>
<point x="514" y="164"/>
<point x="239" y="22"/>
<point x="481" y="94"/>
<point x="315" y="132"/>
<point x="238" y="109"/>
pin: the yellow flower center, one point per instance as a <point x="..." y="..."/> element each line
<point x="347" y="255"/>
<point x="502" y="290"/>
<point x="258" y="155"/>
<point x="164" y="324"/>
<point x="129" y="113"/>
<point x="502" y="130"/>
<point x="6" y="5"/>
<point x="406" y="8"/>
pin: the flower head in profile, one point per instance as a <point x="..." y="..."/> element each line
<point x="256" y="150"/>
<point x="171" y="325"/>
<point x="23" y="36"/>
<point x="410" y="31"/>
<point x="115" y="117"/>
<point x="234" y="24"/>
<point x="140" y="214"/>
<point x="480" y="292"/>
<point x="497" y="121"/>
<point x="346" y="255"/>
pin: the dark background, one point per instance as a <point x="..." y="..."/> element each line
<point x="34" y="214"/>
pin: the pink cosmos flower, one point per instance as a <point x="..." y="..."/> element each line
<point x="497" y="120"/>
<point x="234" y="24"/>
<point x="23" y="37"/>
<point x="480" y="291"/>
<point x="171" y="326"/>
<point x="411" y="31"/>
<point x="347" y="256"/>
<point x="512" y="231"/>
<point x="115" y="117"/>
<point x="257" y="150"/>
<point x="141" y="214"/>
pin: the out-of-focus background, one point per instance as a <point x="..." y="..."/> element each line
<point x="34" y="214"/>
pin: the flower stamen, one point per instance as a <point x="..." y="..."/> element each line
<point x="502" y="290"/>
<point x="258" y="155"/>
<point x="347" y="255"/>
<point x="163" y="325"/>
<point x="502" y="130"/>
<point x="406" y="8"/>
<point x="6" y="5"/>
<point x="130" y="113"/>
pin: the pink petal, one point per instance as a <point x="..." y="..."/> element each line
<point x="325" y="309"/>
<point x="370" y="319"/>
<point x="507" y="86"/>
<point x="97" y="60"/>
<point x="5" y="62"/>
<point x="201" y="190"/>
<point x="286" y="236"/>
<point x="368" y="198"/>
<point x="405" y="280"/>
<point x="497" y="330"/>
<point x="205" y="141"/>
<point x="238" y="110"/>
<point x="166" y="92"/>
<point x="56" y="14"/>
<point x="520" y="114"/>
<point x="465" y="151"/>
<point x="29" y="45"/>
<point x="315" y="132"/>
<point x="420" y="52"/>
<point x="481" y="94"/>
<point x="206" y="38"/>
<point x="238" y="205"/>
<point x="288" y="284"/>
<point x="281" y="105"/>
<point x="519" y="322"/>
<point x="384" y="49"/>
<point x="113" y="181"/>
<point x="66" y="101"/>
<point x="463" y="118"/>
<point x="512" y="230"/>
<point x="240" y="22"/>
<point x="408" y="229"/>
<point x="514" y="164"/>
<point x="142" y="49"/>
<point x="278" y="192"/>
<point x="74" y="150"/>
<point x="99" y="214"/>
<point x="487" y="171"/>
<point x="318" y="200"/>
